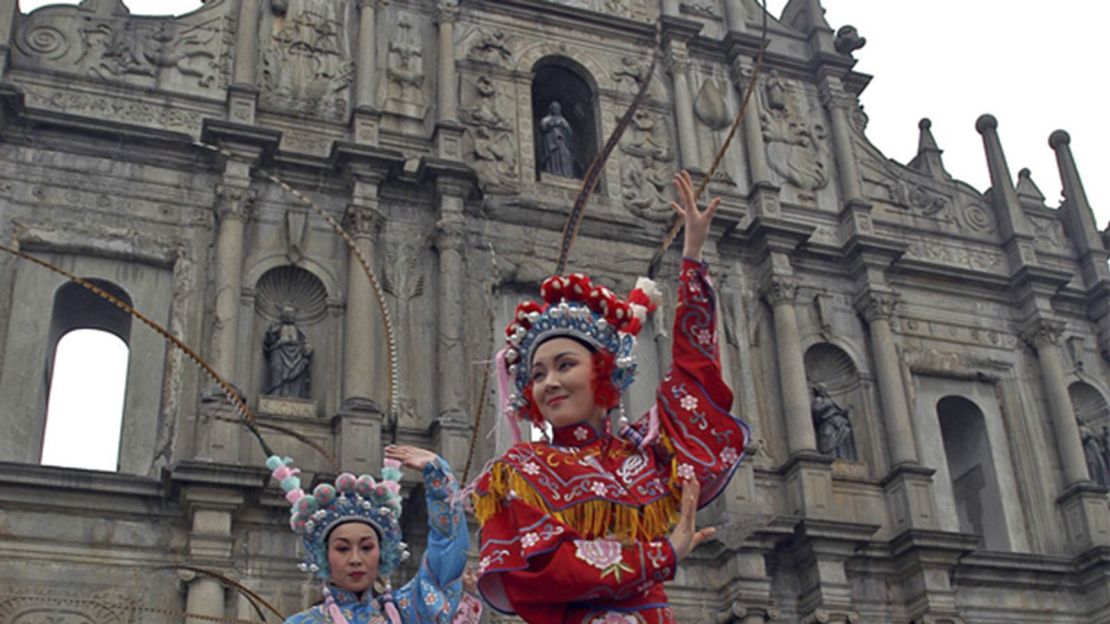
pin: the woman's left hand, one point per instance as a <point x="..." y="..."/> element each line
<point x="410" y="456"/>
<point x="696" y="221"/>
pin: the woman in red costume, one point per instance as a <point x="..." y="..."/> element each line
<point x="587" y="527"/>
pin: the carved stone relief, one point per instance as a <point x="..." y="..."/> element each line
<point x="701" y="8"/>
<point x="634" y="9"/>
<point x="493" y="145"/>
<point x="49" y="605"/>
<point x="307" y="66"/>
<point x="405" y="71"/>
<point x="629" y="73"/>
<point x="490" y="46"/>
<point x="956" y="256"/>
<point x="115" y="109"/>
<point x="794" y="145"/>
<point x="192" y="55"/>
<point x="646" y="170"/>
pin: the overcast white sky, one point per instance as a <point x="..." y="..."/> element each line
<point x="1037" y="66"/>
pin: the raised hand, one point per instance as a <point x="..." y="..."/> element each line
<point x="696" y="221"/>
<point x="410" y="456"/>
<point x="686" y="536"/>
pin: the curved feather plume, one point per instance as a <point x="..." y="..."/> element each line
<point x="597" y="165"/>
<point x="676" y="225"/>
<point x="256" y="600"/>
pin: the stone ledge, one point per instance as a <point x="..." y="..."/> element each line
<point x="85" y="481"/>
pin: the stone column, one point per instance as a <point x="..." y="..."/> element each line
<point x="211" y="512"/>
<point x="451" y="360"/>
<point x="362" y="352"/>
<point x="243" y="92"/>
<point x="839" y="104"/>
<point x="752" y="129"/>
<point x="670" y="7"/>
<point x="1044" y="336"/>
<point x="366" y="118"/>
<point x="781" y="291"/>
<point x="678" y="64"/>
<point x="447" y="13"/>
<point x="234" y="199"/>
<point x="878" y="310"/>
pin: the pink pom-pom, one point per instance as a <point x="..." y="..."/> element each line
<point x="391" y="463"/>
<point x="293" y="496"/>
<point x="393" y="487"/>
<point x="283" y="472"/>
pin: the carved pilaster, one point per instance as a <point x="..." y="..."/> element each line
<point x="447" y="12"/>
<point x="677" y="58"/>
<point x="450" y="233"/>
<point x="362" y="220"/>
<point x="873" y="306"/>
<point x="1043" y="333"/>
<point x="780" y="289"/>
<point x="236" y="202"/>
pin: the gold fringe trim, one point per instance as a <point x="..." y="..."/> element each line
<point x="593" y="519"/>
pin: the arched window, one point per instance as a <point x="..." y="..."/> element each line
<point x="971" y="468"/>
<point x="564" y="112"/>
<point x="87" y="379"/>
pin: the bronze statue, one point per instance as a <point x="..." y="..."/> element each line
<point x="557" y="144"/>
<point x="834" y="430"/>
<point x="288" y="358"/>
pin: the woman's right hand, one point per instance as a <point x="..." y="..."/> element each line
<point x="686" y="536"/>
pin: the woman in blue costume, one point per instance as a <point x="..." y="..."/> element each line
<point x="352" y="537"/>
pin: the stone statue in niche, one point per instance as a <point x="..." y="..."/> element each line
<point x="834" y="430"/>
<point x="1096" y="449"/>
<point x="793" y="149"/>
<point x="288" y="357"/>
<point x="557" y="144"/>
<point x="405" y="71"/>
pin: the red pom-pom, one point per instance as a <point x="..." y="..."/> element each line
<point x="618" y="313"/>
<point x="510" y="330"/>
<point x="640" y="297"/>
<point x="580" y="287"/>
<point x="601" y="299"/>
<point x="553" y="289"/>
<point x="525" y="309"/>
<point x="633" y="327"/>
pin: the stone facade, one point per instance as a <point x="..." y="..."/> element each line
<point x="964" y="332"/>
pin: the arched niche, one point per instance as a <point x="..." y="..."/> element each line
<point x="304" y="294"/>
<point x="560" y="82"/>
<point x="973" y="475"/>
<point x="835" y="397"/>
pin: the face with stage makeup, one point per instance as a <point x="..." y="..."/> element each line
<point x="353" y="556"/>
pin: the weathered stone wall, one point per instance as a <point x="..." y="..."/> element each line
<point x="148" y="152"/>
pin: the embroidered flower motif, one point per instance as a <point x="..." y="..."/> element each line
<point x="704" y="336"/>
<point x="598" y="488"/>
<point x="603" y="554"/>
<point x="581" y="434"/>
<point x="531" y="468"/>
<point x="529" y="540"/>
<point x="483" y="563"/>
<point x="689" y="402"/>
<point x="729" y="456"/>
<point x="685" y="471"/>
<point x="430" y="599"/>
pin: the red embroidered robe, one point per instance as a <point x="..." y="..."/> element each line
<point x="575" y="531"/>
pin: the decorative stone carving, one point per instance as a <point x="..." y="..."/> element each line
<point x="793" y="148"/>
<point x="780" y="289"/>
<point x="234" y="201"/>
<point x="405" y="71"/>
<point x="620" y="8"/>
<point x="291" y="286"/>
<point x="877" y="305"/>
<point x="645" y="171"/>
<point x="1044" y="333"/>
<point x="928" y="201"/>
<point x="833" y="428"/>
<point x="490" y="133"/>
<point x="491" y="47"/>
<point x="630" y="73"/>
<point x="1096" y="450"/>
<point x="710" y="106"/>
<point x="701" y="8"/>
<point x="307" y="67"/>
<point x="362" y="220"/>
<point x="934" y="251"/>
<point x="848" y="39"/>
<point x="167" y="53"/>
<point x="279" y="7"/>
<point x="54" y="605"/>
<point x="288" y="357"/>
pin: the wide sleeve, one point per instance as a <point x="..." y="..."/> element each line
<point x="699" y="433"/>
<point x="537" y="567"/>
<point x="434" y="593"/>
